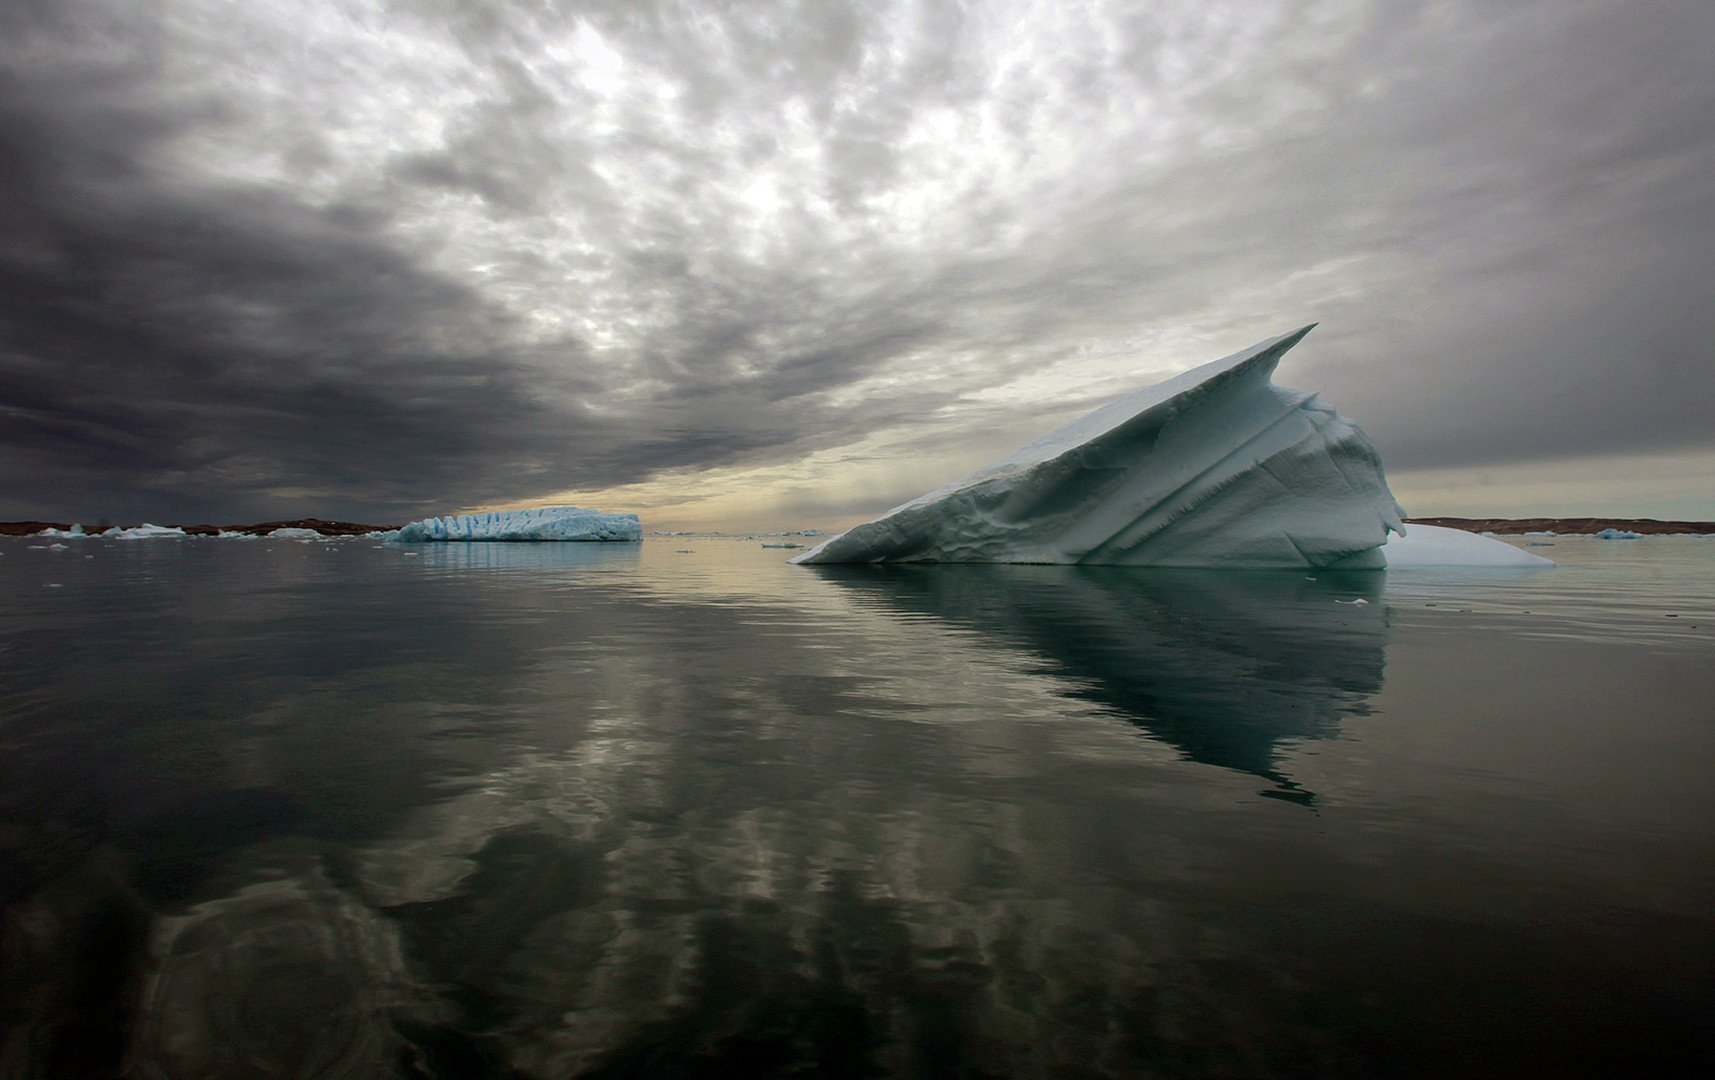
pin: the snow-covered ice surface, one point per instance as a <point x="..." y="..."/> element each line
<point x="142" y="532"/>
<point x="1217" y="467"/>
<point x="546" y="523"/>
<point x="1435" y="545"/>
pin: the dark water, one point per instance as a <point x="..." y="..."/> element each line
<point x="339" y="810"/>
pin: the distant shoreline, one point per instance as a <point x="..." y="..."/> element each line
<point x="320" y="525"/>
<point x="1568" y="526"/>
<point x="1571" y="526"/>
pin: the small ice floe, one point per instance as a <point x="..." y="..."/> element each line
<point x="1618" y="534"/>
<point x="53" y="585"/>
<point x="1359" y="602"/>
<point x="294" y="533"/>
<point x="788" y="544"/>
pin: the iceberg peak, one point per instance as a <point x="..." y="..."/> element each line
<point x="1217" y="466"/>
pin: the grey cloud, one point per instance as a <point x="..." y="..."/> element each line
<point x="497" y="151"/>
<point x="1515" y="222"/>
<point x="1540" y="230"/>
<point x="159" y="341"/>
<point x="1500" y="217"/>
<point x="189" y="352"/>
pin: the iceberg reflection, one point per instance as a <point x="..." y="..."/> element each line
<point x="1223" y="666"/>
<point x="464" y="556"/>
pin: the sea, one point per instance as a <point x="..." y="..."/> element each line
<point x="283" y="808"/>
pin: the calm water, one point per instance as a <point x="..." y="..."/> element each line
<point x="679" y="809"/>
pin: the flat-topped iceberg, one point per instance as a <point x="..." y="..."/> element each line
<point x="143" y="532"/>
<point x="1214" y="467"/>
<point x="546" y="523"/>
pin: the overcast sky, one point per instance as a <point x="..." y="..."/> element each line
<point x="765" y="265"/>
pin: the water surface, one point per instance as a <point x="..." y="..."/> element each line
<point x="680" y="809"/>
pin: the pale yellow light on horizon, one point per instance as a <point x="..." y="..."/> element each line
<point x="834" y="490"/>
<point x="1677" y="486"/>
<point x="828" y="491"/>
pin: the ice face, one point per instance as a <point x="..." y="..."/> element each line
<point x="546" y="523"/>
<point x="1216" y="467"/>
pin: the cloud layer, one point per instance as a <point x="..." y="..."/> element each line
<point x="375" y="259"/>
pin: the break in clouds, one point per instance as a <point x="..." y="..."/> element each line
<point x="371" y="259"/>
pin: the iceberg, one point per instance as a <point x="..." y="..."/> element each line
<point x="546" y="523"/>
<point x="143" y="532"/>
<point x="1217" y="467"/>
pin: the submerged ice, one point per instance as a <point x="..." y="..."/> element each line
<point x="1215" y="467"/>
<point x="545" y="523"/>
<point x="1437" y="545"/>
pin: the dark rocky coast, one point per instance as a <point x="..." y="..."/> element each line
<point x="1568" y="526"/>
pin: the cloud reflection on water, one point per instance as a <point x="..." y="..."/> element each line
<point x="593" y="817"/>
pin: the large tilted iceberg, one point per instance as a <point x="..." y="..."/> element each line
<point x="545" y="523"/>
<point x="1215" y="467"/>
